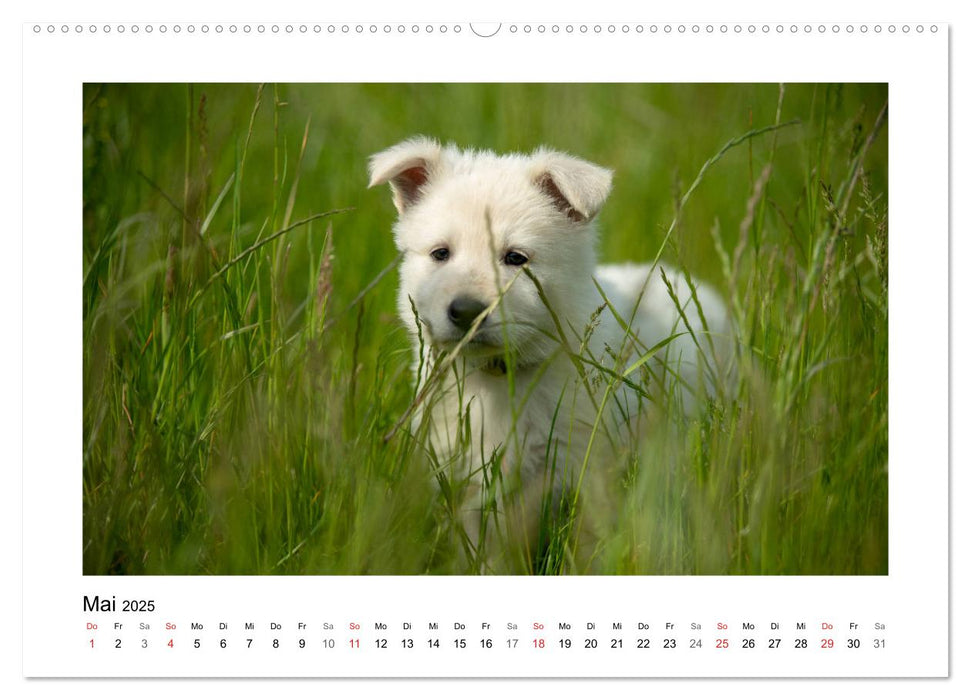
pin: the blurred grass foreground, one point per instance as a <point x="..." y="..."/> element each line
<point x="243" y="362"/>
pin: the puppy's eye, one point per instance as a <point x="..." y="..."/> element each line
<point x="515" y="259"/>
<point x="440" y="254"/>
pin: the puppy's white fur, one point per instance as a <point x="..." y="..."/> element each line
<point x="479" y="206"/>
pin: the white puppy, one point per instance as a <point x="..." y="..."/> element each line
<point x="499" y="281"/>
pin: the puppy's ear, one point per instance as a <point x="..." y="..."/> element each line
<point x="407" y="167"/>
<point x="576" y="187"/>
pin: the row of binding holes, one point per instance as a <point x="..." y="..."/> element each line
<point x="255" y="29"/>
<point x="713" y="29"/>
<point x="457" y="29"/>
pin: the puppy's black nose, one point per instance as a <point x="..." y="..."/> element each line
<point x="464" y="310"/>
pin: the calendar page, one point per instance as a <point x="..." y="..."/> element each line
<point x="444" y="348"/>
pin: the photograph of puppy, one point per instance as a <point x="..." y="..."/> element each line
<point x="604" y="329"/>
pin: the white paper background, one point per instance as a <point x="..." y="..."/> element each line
<point x="916" y="545"/>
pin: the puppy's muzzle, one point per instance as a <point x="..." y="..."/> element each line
<point x="463" y="311"/>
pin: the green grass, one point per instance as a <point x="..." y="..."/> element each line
<point x="243" y="364"/>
